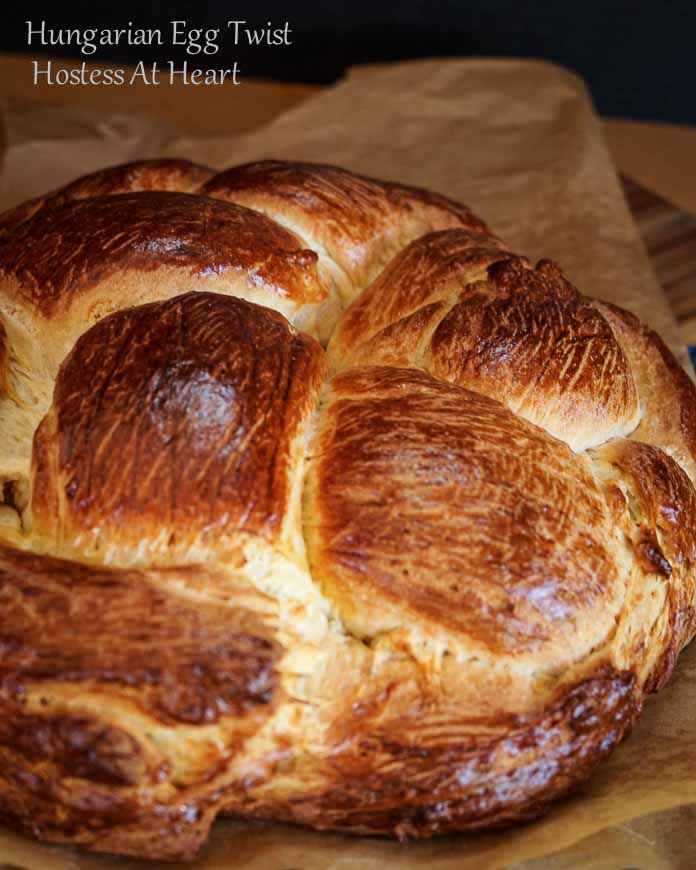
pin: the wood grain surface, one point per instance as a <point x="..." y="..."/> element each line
<point x="670" y="237"/>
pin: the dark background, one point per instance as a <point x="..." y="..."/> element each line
<point x="639" y="58"/>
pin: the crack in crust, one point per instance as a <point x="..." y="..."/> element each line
<point x="428" y="594"/>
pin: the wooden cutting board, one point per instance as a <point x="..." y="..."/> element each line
<point x="670" y="237"/>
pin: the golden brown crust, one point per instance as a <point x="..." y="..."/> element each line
<point x="4" y="361"/>
<point x="528" y="338"/>
<point x="408" y="777"/>
<point x="163" y="174"/>
<point x="100" y="669"/>
<point x="431" y="269"/>
<point x="475" y="316"/>
<point x="60" y="253"/>
<point x="386" y="603"/>
<point x="429" y="511"/>
<point x="173" y="426"/>
<point x="359" y="222"/>
<point x="166" y="173"/>
<point x="176" y="661"/>
<point x="665" y="501"/>
<point x="662" y="508"/>
<point x="667" y="395"/>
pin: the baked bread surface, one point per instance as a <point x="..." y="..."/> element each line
<point x="319" y="505"/>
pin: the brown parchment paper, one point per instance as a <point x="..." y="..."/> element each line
<point x="48" y="145"/>
<point x="519" y="142"/>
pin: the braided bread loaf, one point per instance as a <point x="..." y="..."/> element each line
<point x="419" y="582"/>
